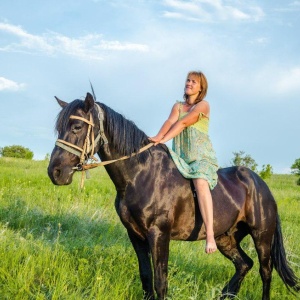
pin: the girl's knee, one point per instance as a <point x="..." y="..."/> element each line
<point x="200" y="182"/>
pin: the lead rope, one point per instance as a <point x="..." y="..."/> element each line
<point x="108" y="162"/>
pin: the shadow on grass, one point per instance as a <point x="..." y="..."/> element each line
<point x="70" y="230"/>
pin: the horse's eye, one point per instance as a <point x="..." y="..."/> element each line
<point x="76" y="128"/>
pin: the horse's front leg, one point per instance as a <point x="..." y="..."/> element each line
<point x="159" y="242"/>
<point x="142" y="251"/>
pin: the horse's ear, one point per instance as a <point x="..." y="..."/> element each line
<point x="89" y="102"/>
<point x="60" y="102"/>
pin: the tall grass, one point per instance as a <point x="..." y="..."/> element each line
<point x="67" y="243"/>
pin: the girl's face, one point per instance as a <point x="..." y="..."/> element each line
<point x="192" y="86"/>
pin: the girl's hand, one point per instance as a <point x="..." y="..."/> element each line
<point x="156" y="140"/>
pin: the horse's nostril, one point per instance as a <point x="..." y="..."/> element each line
<point x="56" y="172"/>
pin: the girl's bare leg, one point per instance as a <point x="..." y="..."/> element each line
<point x="206" y="209"/>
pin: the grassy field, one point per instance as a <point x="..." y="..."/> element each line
<point x="67" y="243"/>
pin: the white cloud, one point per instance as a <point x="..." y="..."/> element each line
<point x="27" y="41"/>
<point x="91" y="46"/>
<point x="6" y="84"/>
<point x="289" y="81"/>
<point x="188" y="10"/>
<point x="117" y="46"/>
<point x="260" y="41"/>
<point x="188" y="6"/>
<point x="176" y="15"/>
<point x="212" y="11"/>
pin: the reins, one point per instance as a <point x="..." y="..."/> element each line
<point x="107" y="162"/>
<point x="86" y="153"/>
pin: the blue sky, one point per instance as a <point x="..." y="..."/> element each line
<point x="137" y="55"/>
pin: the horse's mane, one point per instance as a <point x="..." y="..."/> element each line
<point x="125" y="136"/>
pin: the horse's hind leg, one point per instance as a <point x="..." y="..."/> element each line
<point x="230" y="248"/>
<point x="142" y="251"/>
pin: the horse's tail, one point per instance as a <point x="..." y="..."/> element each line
<point x="280" y="261"/>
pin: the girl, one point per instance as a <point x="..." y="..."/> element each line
<point x="192" y="150"/>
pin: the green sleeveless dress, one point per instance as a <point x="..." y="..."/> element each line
<point x="193" y="153"/>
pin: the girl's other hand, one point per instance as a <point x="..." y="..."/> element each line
<point x="154" y="139"/>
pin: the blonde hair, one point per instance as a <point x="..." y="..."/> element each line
<point x="203" y="85"/>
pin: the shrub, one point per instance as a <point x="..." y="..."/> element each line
<point x="16" y="151"/>
<point x="242" y="159"/>
<point x="266" y="171"/>
<point x="296" y="167"/>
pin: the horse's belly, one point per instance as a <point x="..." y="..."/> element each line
<point x="187" y="221"/>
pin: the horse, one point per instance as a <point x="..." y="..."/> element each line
<point x="156" y="203"/>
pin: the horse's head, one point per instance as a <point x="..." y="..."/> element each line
<point x="83" y="127"/>
<point x="76" y="140"/>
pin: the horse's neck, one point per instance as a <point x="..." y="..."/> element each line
<point x="119" y="138"/>
<point x="117" y="171"/>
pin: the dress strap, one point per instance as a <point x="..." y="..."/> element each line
<point x="201" y="115"/>
<point x="180" y="106"/>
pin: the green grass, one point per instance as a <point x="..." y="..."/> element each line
<point x="68" y="243"/>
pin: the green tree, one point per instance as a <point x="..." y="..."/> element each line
<point x="266" y="171"/>
<point x="16" y="151"/>
<point x="242" y="159"/>
<point x="296" y="169"/>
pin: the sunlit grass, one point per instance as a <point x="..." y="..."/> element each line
<point x="68" y="243"/>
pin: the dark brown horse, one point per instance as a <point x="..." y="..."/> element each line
<point x="156" y="204"/>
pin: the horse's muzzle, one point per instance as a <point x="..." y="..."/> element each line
<point x="60" y="175"/>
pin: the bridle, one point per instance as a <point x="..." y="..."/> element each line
<point x="86" y="153"/>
